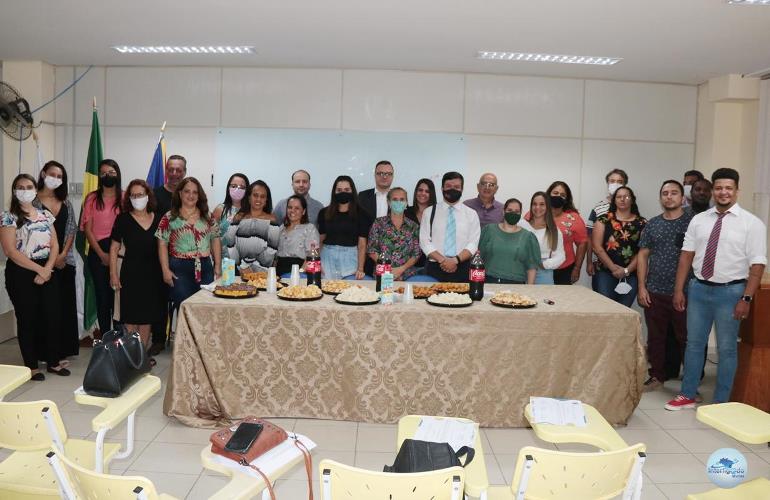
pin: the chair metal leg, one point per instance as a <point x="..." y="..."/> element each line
<point x="521" y="489"/>
<point x="99" y="451"/>
<point x="99" y="459"/>
<point x="65" y="489"/>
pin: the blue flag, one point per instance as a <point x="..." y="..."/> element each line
<point x="156" y="175"/>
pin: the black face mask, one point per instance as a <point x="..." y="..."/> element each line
<point x="452" y="195"/>
<point x="512" y="218"/>
<point x="109" y="181"/>
<point x="557" y="201"/>
<point x="343" y="197"/>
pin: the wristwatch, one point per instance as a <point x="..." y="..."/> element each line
<point x="747" y="298"/>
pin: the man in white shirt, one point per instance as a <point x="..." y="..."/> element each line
<point x="375" y="201"/>
<point x="300" y="184"/>
<point x="726" y="247"/>
<point x="449" y="233"/>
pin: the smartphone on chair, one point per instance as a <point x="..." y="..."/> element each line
<point x="243" y="437"/>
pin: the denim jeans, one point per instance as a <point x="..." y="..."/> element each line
<point x="707" y="305"/>
<point x="338" y="262"/>
<point x="185" y="285"/>
<point x="544" y="277"/>
<point x="604" y="283"/>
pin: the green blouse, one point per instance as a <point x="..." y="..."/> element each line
<point x="508" y="255"/>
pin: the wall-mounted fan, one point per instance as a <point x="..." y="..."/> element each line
<point x="15" y="116"/>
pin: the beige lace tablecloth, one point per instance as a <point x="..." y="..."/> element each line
<point x="272" y="358"/>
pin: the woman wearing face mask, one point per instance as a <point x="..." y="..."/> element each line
<point x="396" y="236"/>
<point x="99" y="212"/>
<point x="139" y="278"/>
<point x="252" y="238"/>
<point x="615" y="240"/>
<point x="343" y="227"/>
<point x="28" y="238"/>
<point x="298" y="236"/>
<point x="224" y="212"/>
<point x="541" y="224"/>
<point x="52" y="196"/>
<point x="573" y="230"/>
<point x="511" y="254"/>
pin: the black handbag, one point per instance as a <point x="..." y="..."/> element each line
<point x="423" y="456"/>
<point x="117" y="360"/>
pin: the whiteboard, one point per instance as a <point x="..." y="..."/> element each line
<point x="273" y="154"/>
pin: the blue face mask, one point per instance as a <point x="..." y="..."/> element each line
<point x="397" y="207"/>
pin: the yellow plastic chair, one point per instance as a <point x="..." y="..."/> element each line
<point x="12" y="377"/>
<point x="476" y="480"/>
<point x="554" y="475"/>
<point x="756" y="489"/>
<point x="31" y="429"/>
<point x="598" y="432"/>
<point x="78" y="483"/>
<point x="115" y="411"/>
<point x="343" y="482"/>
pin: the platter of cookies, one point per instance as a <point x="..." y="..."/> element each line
<point x="259" y="280"/>
<point x="419" y="292"/>
<point x="451" y="287"/>
<point x="335" y="287"/>
<point x="300" y="293"/>
<point x="235" y="291"/>
<point x="450" y="299"/>
<point x="357" y="296"/>
<point x="507" y="298"/>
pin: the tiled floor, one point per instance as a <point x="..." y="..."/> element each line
<point x="168" y="453"/>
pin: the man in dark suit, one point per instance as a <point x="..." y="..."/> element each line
<point x="375" y="201"/>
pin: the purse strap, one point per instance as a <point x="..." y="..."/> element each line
<point x="268" y="485"/>
<point x="308" y="465"/>
<point x="468" y="452"/>
<point x="123" y="349"/>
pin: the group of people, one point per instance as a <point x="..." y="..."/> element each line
<point x="696" y="264"/>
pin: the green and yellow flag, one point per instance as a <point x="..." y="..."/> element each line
<point x="90" y="183"/>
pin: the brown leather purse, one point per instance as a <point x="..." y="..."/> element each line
<point x="270" y="437"/>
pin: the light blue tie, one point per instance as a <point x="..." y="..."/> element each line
<point x="450" y="235"/>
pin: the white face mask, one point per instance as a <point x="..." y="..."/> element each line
<point x="687" y="190"/>
<point x="25" y="195"/>
<point x="140" y="203"/>
<point x="623" y="288"/>
<point x="613" y="186"/>
<point x="52" y="182"/>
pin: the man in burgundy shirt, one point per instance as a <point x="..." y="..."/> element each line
<point x="490" y="211"/>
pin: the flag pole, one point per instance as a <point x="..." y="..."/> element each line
<point x="162" y="131"/>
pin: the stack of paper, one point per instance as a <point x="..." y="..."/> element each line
<point x="446" y="430"/>
<point x="557" y="411"/>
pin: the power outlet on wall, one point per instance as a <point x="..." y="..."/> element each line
<point x="76" y="188"/>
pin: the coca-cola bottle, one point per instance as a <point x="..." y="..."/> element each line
<point x="476" y="276"/>
<point x="383" y="266"/>
<point x="313" y="266"/>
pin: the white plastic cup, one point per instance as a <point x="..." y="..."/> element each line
<point x="294" y="274"/>
<point x="272" y="284"/>
<point x="408" y="294"/>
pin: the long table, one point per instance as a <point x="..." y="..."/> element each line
<point x="274" y="358"/>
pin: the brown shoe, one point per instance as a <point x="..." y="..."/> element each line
<point x="652" y="384"/>
<point x="156" y="347"/>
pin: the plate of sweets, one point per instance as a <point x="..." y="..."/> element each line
<point x="450" y="299"/>
<point x="513" y="300"/>
<point x="419" y="292"/>
<point x="357" y="296"/>
<point x="235" y="291"/>
<point x="335" y="287"/>
<point x="451" y="287"/>
<point x="300" y="293"/>
<point x="259" y="280"/>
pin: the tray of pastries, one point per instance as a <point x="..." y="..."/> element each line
<point x="235" y="291"/>
<point x="451" y="287"/>
<point x="419" y="292"/>
<point x="358" y="296"/>
<point x="300" y="293"/>
<point x="507" y="298"/>
<point x="261" y="282"/>
<point x="335" y="287"/>
<point x="450" y="299"/>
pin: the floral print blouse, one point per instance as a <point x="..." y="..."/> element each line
<point x="33" y="238"/>
<point x="621" y="238"/>
<point x="398" y="244"/>
<point x="185" y="240"/>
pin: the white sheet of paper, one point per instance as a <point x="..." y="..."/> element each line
<point x="558" y="411"/>
<point x="272" y="460"/>
<point x="446" y="430"/>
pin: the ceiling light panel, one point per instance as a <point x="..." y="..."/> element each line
<point x="549" y="58"/>
<point x="749" y="2"/>
<point x="185" y="49"/>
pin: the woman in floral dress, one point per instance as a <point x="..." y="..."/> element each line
<point x="396" y="236"/>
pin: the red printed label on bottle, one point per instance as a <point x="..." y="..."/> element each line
<point x="477" y="275"/>
<point x="381" y="269"/>
<point x="313" y="266"/>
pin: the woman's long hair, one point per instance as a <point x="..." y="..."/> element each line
<point x="334" y="207"/>
<point x="246" y="202"/>
<point x="60" y="192"/>
<point x="176" y="199"/>
<point x="634" y="208"/>
<point x="99" y="193"/>
<point x="551" y="231"/>
<point x="569" y="205"/>
<point x="303" y="202"/>
<point x="431" y="187"/>
<point x="15" y="208"/>
<point x="152" y="205"/>
<point x="228" y="203"/>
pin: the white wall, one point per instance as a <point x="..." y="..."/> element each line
<point x="528" y="130"/>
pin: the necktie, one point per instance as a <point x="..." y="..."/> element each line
<point x="707" y="270"/>
<point x="450" y="235"/>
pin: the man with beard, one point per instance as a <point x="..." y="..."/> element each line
<point x="701" y="196"/>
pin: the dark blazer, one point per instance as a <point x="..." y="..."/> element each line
<point x="367" y="201"/>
